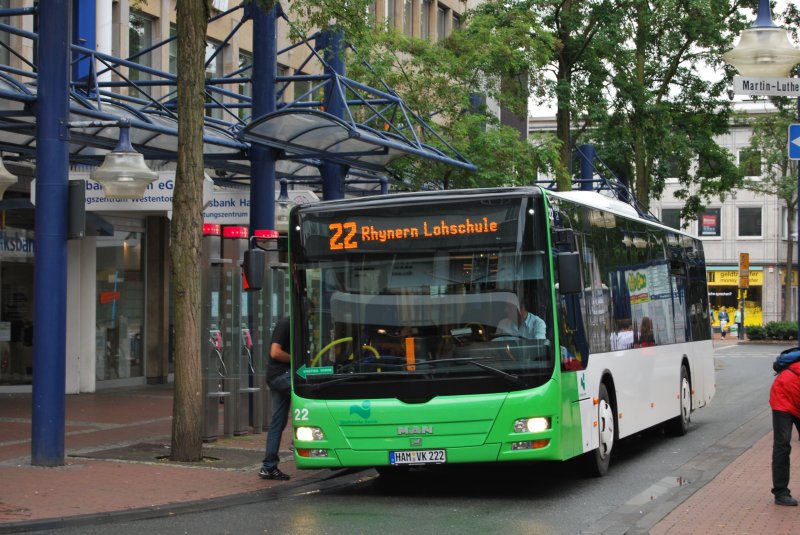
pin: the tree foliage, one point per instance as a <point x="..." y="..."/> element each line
<point x="449" y="83"/>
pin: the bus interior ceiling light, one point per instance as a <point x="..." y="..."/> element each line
<point x="123" y="174"/>
<point x="6" y="178"/>
<point x="764" y="48"/>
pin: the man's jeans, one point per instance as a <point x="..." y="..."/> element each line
<point x="783" y="424"/>
<point x="280" y="388"/>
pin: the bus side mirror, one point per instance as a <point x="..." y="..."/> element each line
<point x="569" y="273"/>
<point x="253" y="269"/>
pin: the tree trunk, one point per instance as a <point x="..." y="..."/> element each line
<point x="186" y="232"/>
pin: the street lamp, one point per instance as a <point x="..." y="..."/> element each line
<point x="123" y="174"/>
<point x="764" y="50"/>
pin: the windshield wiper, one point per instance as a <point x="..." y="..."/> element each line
<point x="474" y="361"/>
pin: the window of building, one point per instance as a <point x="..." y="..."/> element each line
<point x="708" y="222"/>
<point x="173" y="50"/>
<point x="390" y="13"/>
<point x="456" y="22"/>
<point x="441" y="14"/>
<point x="214" y="69"/>
<point x="5" y="37"/>
<point x="787" y="232"/>
<point x="671" y="217"/>
<point x="140" y="38"/>
<point x="425" y="19"/>
<point x="246" y="88"/>
<point x="750" y="162"/>
<point x="750" y="222"/>
<point x="408" y="18"/>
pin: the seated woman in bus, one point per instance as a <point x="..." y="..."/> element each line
<point x="519" y="323"/>
<point x="646" y="338"/>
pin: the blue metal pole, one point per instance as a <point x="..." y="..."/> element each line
<point x="84" y="33"/>
<point x="587" y="166"/>
<point x="262" y="159"/>
<point x="330" y="43"/>
<point x="50" y="271"/>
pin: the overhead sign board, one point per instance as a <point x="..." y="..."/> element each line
<point x="759" y="85"/>
<point x="223" y="206"/>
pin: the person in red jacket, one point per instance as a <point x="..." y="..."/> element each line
<point x="784" y="398"/>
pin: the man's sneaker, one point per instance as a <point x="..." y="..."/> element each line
<point x="785" y="499"/>
<point x="280" y="476"/>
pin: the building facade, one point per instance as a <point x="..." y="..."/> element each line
<point x="119" y="319"/>
<point x="740" y="222"/>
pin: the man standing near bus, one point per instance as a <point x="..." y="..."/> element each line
<point x="784" y="398"/>
<point x="280" y="385"/>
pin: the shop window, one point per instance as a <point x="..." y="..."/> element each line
<point x="709" y="222"/>
<point x="750" y="222"/>
<point x="120" y="306"/>
<point x="16" y="306"/>
<point x="671" y="217"/>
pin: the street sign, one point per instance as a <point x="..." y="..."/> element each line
<point x="759" y="85"/>
<point x="794" y="141"/>
<point x="744" y="270"/>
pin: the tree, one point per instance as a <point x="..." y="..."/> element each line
<point x="778" y="174"/>
<point x="449" y="82"/>
<point x="186" y="231"/>
<point x="664" y="111"/>
<point x="587" y="34"/>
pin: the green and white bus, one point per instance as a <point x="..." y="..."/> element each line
<point x="490" y="325"/>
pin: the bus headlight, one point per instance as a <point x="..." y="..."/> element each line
<point x="531" y="425"/>
<point x="307" y="434"/>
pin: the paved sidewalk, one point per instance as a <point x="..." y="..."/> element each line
<point x="114" y="440"/>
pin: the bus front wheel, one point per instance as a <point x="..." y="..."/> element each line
<point x="597" y="461"/>
<point x="679" y="426"/>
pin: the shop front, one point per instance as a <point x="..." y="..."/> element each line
<point x="724" y="293"/>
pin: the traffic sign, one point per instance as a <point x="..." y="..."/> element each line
<point x="794" y="141"/>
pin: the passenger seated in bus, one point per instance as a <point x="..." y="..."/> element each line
<point x="623" y="338"/>
<point x="646" y="338"/>
<point x="519" y="323"/>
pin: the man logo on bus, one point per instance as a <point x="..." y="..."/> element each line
<point x="415" y="430"/>
<point x="362" y="410"/>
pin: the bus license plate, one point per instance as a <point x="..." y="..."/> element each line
<point x="418" y="457"/>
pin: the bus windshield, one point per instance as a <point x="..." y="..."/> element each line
<point x="433" y="300"/>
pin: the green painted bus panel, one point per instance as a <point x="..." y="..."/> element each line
<point x="362" y="432"/>
<point x="571" y="432"/>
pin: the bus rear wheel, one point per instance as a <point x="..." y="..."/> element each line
<point x="597" y="461"/>
<point x="679" y="426"/>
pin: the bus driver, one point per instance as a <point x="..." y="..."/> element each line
<point x="521" y="323"/>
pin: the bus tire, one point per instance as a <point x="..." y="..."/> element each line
<point x="597" y="461"/>
<point x="679" y="426"/>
